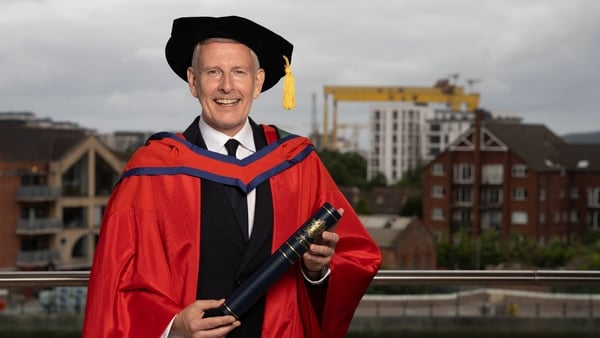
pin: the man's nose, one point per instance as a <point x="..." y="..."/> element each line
<point x="226" y="83"/>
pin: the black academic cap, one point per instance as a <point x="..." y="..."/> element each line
<point x="268" y="46"/>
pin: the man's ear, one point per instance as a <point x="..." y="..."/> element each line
<point x="259" y="80"/>
<point x="191" y="79"/>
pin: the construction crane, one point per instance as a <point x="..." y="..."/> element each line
<point x="443" y="92"/>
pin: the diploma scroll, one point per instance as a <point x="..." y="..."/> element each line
<point x="287" y="254"/>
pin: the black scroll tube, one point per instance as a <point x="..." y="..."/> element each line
<point x="287" y="254"/>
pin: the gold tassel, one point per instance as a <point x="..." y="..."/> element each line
<point x="289" y="98"/>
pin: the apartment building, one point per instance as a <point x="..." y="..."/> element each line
<point x="518" y="178"/>
<point x="54" y="186"/>
<point x="406" y="135"/>
<point x="396" y="143"/>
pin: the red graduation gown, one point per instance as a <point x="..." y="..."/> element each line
<point x="145" y="267"/>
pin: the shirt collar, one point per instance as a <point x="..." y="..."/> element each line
<point x="215" y="140"/>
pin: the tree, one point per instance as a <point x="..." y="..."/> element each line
<point x="413" y="207"/>
<point x="347" y="169"/>
<point x="378" y="180"/>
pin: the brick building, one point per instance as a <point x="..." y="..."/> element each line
<point x="517" y="178"/>
<point x="54" y="185"/>
<point x="405" y="243"/>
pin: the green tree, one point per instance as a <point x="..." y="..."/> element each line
<point x="347" y="169"/>
<point x="413" y="207"/>
<point x="362" y="207"/>
<point x="378" y="180"/>
<point x="412" y="178"/>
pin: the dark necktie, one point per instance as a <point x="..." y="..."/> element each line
<point x="236" y="196"/>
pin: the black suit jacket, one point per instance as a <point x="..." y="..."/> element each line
<point x="227" y="259"/>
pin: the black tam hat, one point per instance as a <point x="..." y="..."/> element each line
<point x="273" y="51"/>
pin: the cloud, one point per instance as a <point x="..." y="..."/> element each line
<point x="101" y="63"/>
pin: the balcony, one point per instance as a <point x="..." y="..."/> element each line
<point x="42" y="226"/>
<point x="37" y="258"/>
<point x="38" y="193"/>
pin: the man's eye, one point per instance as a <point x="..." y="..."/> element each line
<point x="213" y="72"/>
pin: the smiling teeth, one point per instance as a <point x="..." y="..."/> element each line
<point x="226" y="101"/>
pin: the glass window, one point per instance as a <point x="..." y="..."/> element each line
<point x="519" y="217"/>
<point x="437" y="191"/>
<point x="519" y="170"/>
<point x="437" y="169"/>
<point x="75" y="217"/>
<point x="593" y="197"/>
<point x="519" y="194"/>
<point x="492" y="174"/>
<point x="75" y="179"/>
<point x="106" y="177"/>
<point x="463" y="173"/>
<point x="574" y="192"/>
<point x="437" y="214"/>
<point x="463" y="195"/>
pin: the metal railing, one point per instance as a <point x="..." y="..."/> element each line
<point x="398" y="277"/>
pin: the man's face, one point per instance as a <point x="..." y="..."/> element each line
<point x="226" y="82"/>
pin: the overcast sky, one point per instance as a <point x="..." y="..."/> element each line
<point x="101" y="63"/>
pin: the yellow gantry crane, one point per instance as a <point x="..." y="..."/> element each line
<point x="442" y="92"/>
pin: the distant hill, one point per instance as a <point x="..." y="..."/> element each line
<point x="591" y="137"/>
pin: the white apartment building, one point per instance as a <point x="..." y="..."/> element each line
<point x="402" y="135"/>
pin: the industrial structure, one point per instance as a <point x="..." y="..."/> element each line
<point x="444" y="92"/>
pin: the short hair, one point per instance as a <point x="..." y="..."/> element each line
<point x="199" y="45"/>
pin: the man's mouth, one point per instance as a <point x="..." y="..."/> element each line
<point x="227" y="102"/>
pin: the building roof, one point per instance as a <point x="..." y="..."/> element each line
<point x="37" y="144"/>
<point x="582" y="157"/>
<point x="542" y="149"/>
<point x="533" y="143"/>
<point x="385" y="229"/>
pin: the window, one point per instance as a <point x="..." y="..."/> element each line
<point x="75" y="179"/>
<point x="542" y="218"/>
<point x="574" y="192"/>
<point x="437" y="214"/>
<point x="491" y="196"/>
<point x="519" y="217"/>
<point x="519" y="194"/>
<point x="463" y="195"/>
<point x="98" y="213"/>
<point x="542" y="194"/>
<point x="574" y="216"/>
<point x="491" y="220"/>
<point x="594" y="219"/>
<point x="437" y="169"/>
<point x="593" y="197"/>
<point x="491" y="174"/>
<point x="463" y="173"/>
<point x="434" y="151"/>
<point x="519" y="170"/>
<point x="437" y="191"/>
<point x="106" y="177"/>
<point x="75" y="217"/>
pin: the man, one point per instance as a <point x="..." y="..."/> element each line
<point x="187" y="224"/>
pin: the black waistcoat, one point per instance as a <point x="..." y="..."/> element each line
<point x="226" y="258"/>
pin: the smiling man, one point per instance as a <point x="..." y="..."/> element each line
<point x="195" y="214"/>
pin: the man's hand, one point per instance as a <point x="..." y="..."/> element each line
<point x="190" y="322"/>
<point x="317" y="258"/>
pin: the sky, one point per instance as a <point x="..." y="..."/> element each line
<point x="101" y="64"/>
